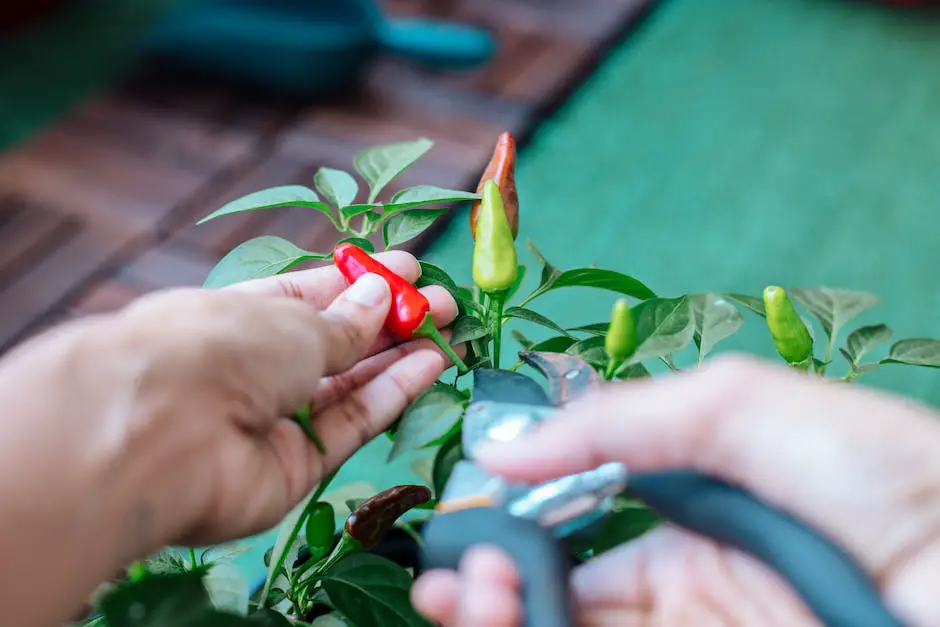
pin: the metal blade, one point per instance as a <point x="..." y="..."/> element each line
<point x="568" y="376"/>
<point x="504" y="386"/>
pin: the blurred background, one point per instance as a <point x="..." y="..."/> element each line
<point x="719" y="145"/>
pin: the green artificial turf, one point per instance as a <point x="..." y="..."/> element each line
<point x="731" y="144"/>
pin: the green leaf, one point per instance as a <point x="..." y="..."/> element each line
<point x="598" y="328"/>
<point x="228" y="589"/>
<point x="663" y="326"/>
<point x="361" y="242"/>
<point x="715" y="320"/>
<point x="352" y="504"/>
<point x="351" y="211"/>
<point x="590" y="350"/>
<point x="330" y="620"/>
<point x="341" y="497"/>
<point x="632" y="371"/>
<point x="257" y="258"/>
<point x="832" y="307"/>
<point x="339" y="187"/>
<point x="528" y="315"/>
<point x="521" y="338"/>
<point x="426" y="195"/>
<point x="430" y="417"/>
<point x="558" y="344"/>
<point x="408" y="225"/>
<point x="624" y="526"/>
<point x="864" y="339"/>
<point x="466" y="329"/>
<point x="449" y="453"/>
<point x="433" y="275"/>
<point x="371" y="590"/>
<point x="549" y="272"/>
<point x="165" y="562"/>
<point x="286" y="196"/>
<point x="597" y="278"/>
<point x="753" y="303"/>
<point x="224" y="552"/>
<point x="380" y="165"/>
<point x="423" y="467"/>
<point x="157" y="601"/>
<point x="915" y="352"/>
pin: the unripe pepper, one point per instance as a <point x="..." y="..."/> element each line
<point x="502" y="170"/>
<point x="789" y="332"/>
<point x="620" y="341"/>
<point x="320" y="529"/>
<point x="495" y="268"/>
<point x="410" y="314"/>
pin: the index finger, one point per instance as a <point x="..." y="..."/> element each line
<point x="321" y="286"/>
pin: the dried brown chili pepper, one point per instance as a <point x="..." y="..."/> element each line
<point x="376" y="516"/>
<point x="501" y="170"/>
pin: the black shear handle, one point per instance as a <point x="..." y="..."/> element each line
<point x="827" y="580"/>
<point x="541" y="561"/>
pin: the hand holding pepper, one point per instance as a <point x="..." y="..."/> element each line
<point x="167" y="423"/>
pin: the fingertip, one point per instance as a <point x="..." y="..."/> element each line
<point x="402" y="263"/>
<point x="492" y="564"/>
<point x="435" y="593"/>
<point x="443" y="305"/>
<point x="488" y="594"/>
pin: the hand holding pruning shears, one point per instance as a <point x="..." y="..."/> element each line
<point x="854" y="464"/>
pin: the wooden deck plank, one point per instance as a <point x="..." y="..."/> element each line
<point x="26" y="236"/>
<point x="47" y="285"/>
<point x="119" y="184"/>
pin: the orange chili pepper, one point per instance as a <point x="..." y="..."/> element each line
<point x="502" y="170"/>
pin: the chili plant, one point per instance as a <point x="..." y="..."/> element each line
<point x="320" y="575"/>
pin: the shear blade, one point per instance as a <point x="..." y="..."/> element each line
<point x="504" y="386"/>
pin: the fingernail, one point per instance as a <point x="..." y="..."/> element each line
<point x="370" y="290"/>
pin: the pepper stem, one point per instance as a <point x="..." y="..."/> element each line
<point x="497" y="301"/>
<point x="428" y="330"/>
<point x="612" y="366"/>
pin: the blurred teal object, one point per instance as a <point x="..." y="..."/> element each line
<point x="305" y="47"/>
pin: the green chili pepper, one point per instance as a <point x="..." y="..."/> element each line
<point x="321" y="530"/>
<point x="494" y="254"/>
<point x="789" y="332"/>
<point x="620" y="342"/>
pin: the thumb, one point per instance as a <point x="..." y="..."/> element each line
<point x="353" y="322"/>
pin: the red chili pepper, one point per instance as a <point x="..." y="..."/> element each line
<point x="502" y="170"/>
<point x="410" y="315"/>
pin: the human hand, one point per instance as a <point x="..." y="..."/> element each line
<point x="862" y="467"/>
<point x="167" y="422"/>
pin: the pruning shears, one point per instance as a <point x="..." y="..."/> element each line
<point x="531" y="522"/>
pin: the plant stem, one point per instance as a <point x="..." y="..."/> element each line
<point x="498" y="300"/>
<point x="612" y="367"/>
<point x="301" y="521"/>
<point x="192" y="557"/>
<point x="346" y="545"/>
<point x="427" y="330"/>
